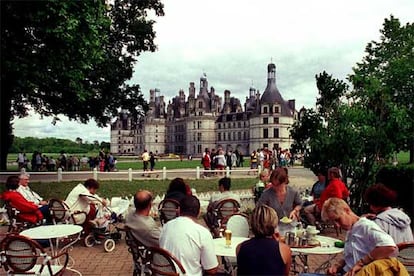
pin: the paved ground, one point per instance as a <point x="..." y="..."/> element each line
<point x="95" y="261"/>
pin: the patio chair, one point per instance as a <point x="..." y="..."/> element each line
<point x="218" y="212"/>
<point x="406" y="255"/>
<point x="16" y="224"/>
<point x="20" y="255"/>
<point x="238" y="224"/>
<point x="61" y="213"/>
<point x="162" y="262"/>
<point x="139" y="253"/>
<point x="168" y="209"/>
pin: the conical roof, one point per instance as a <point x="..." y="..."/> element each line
<point x="271" y="93"/>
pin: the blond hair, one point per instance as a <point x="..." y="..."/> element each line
<point x="264" y="173"/>
<point x="263" y="221"/>
<point x="333" y="208"/>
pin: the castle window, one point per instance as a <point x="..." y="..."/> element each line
<point x="239" y="135"/>
<point x="276" y="109"/>
<point x="234" y="136"/>
<point x="224" y="136"/>
<point x="265" y="109"/>
<point x="199" y="136"/>
<point x="219" y="126"/>
<point x="265" y="133"/>
<point x="276" y="120"/>
<point x="219" y="136"/>
<point x="234" y="125"/>
<point x="200" y="113"/>
<point x="200" y="104"/>
<point x="239" y="125"/>
<point x="265" y="121"/>
<point x="275" y="133"/>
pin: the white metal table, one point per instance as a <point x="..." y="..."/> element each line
<point x="326" y="247"/>
<point x="54" y="233"/>
<point x="227" y="251"/>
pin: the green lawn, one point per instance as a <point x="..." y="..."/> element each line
<point x="112" y="188"/>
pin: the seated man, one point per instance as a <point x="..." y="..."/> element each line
<point x="28" y="211"/>
<point x="310" y="210"/>
<point x="224" y="188"/>
<point x="210" y="217"/>
<point x="365" y="241"/>
<point x="142" y="225"/>
<point x="83" y="198"/>
<point x="32" y="196"/>
<point x="189" y="241"/>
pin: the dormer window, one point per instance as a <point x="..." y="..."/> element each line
<point x="276" y="109"/>
<point x="265" y="110"/>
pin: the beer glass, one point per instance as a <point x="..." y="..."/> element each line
<point x="227" y="234"/>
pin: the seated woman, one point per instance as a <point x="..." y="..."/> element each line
<point x="280" y="196"/>
<point x="392" y="220"/>
<point x="83" y="198"/>
<point x="28" y="211"/>
<point x="178" y="189"/>
<point x="263" y="254"/>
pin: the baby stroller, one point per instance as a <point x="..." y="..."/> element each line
<point x="106" y="230"/>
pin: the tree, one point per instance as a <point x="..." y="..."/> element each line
<point x="363" y="126"/>
<point x="384" y="84"/>
<point x="71" y="58"/>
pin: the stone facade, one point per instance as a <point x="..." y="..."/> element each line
<point x="203" y="120"/>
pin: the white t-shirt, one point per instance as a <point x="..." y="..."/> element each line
<point x="224" y="195"/>
<point x="191" y="243"/>
<point x="363" y="237"/>
<point x="80" y="198"/>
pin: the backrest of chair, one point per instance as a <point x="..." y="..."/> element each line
<point x="59" y="211"/>
<point x="406" y="255"/>
<point x="226" y="207"/>
<point x="15" y="224"/>
<point x="168" y="209"/>
<point x="138" y="250"/>
<point x="238" y="224"/>
<point x="20" y="254"/>
<point x="163" y="262"/>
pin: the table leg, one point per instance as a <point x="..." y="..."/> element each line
<point x="302" y="266"/>
<point x="325" y="265"/>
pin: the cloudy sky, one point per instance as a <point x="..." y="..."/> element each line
<point x="232" y="41"/>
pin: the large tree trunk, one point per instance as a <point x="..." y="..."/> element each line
<point x="6" y="137"/>
<point x="411" y="152"/>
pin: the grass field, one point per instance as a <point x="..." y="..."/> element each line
<point x="112" y="188"/>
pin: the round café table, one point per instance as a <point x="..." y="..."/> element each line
<point x="221" y="249"/>
<point x="54" y="233"/>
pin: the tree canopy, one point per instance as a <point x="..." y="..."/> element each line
<point x="72" y="58"/>
<point x="357" y="128"/>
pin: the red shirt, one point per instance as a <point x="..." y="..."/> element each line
<point x="336" y="188"/>
<point x="28" y="211"/>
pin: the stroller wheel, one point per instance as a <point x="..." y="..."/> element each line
<point x="89" y="240"/>
<point x="109" y="245"/>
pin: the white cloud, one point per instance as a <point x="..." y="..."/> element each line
<point x="234" y="40"/>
